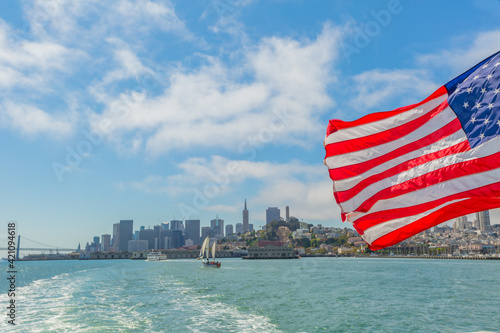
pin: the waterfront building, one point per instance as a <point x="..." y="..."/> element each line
<point x="138" y="245"/>
<point x="271" y="252"/>
<point x="239" y="228"/>
<point x="245" y="218"/>
<point x="105" y="242"/>
<point x="229" y="229"/>
<point x="217" y="226"/>
<point x="272" y="214"/>
<point x="192" y="231"/>
<point x="116" y="237"/>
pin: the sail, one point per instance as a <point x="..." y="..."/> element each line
<point x="204" y="246"/>
<point x="207" y="250"/>
<point x="213" y="249"/>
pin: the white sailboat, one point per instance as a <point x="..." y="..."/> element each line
<point x="205" y="254"/>
<point x="203" y="247"/>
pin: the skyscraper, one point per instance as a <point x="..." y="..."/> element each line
<point x="150" y="235"/>
<point x="176" y="225"/>
<point x="192" y="231"/>
<point x="239" y="228"/>
<point x="116" y="237"/>
<point x="217" y="226"/>
<point x="287" y="214"/>
<point x="106" y="242"/>
<point x="460" y="223"/>
<point x="97" y="243"/>
<point x="229" y="229"/>
<point x="207" y="231"/>
<point x="126" y="234"/>
<point x="174" y="239"/>
<point x="245" y="217"/>
<point x="272" y="214"/>
<point x="483" y="219"/>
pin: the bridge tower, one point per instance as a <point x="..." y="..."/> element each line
<point x="18" y="246"/>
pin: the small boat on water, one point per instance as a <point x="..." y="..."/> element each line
<point x="156" y="256"/>
<point x="205" y="254"/>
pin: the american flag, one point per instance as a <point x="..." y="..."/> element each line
<point x="400" y="172"/>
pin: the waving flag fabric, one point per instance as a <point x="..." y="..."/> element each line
<point x="400" y="172"/>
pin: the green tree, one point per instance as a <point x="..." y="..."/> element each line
<point x="314" y="242"/>
<point x="305" y="242"/>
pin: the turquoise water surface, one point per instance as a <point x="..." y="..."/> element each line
<point x="306" y="295"/>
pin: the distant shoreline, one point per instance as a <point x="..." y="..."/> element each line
<point x="303" y="256"/>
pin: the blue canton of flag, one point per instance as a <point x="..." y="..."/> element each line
<point x="474" y="97"/>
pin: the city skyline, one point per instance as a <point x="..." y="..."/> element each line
<point x="174" y="110"/>
<point x="192" y="231"/>
<point x="481" y="222"/>
<point x="153" y="241"/>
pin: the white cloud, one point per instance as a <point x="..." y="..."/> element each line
<point x="377" y="88"/>
<point x="308" y="200"/>
<point x="465" y="52"/>
<point x="218" y="106"/>
<point x="222" y="209"/>
<point x="31" y="121"/>
<point x="305" y="187"/>
<point x="134" y="14"/>
<point x="30" y="64"/>
<point x="62" y="19"/>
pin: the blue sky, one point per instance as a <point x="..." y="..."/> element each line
<point x="155" y="110"/>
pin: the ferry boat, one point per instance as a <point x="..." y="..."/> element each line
<point x="156" y="256"/>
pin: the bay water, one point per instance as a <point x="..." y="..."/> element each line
<point x="305" y="295"/>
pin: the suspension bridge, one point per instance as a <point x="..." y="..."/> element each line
<point x="49" y="248"/>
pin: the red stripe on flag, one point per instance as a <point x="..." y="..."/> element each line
<point x="449" y="172"/>
<point x="447" y="213"/>
<point x="335" y="124"/>
<point x="455" y="149"/>
<point x="349" y="171"/>
<point x="376" y="139"/>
